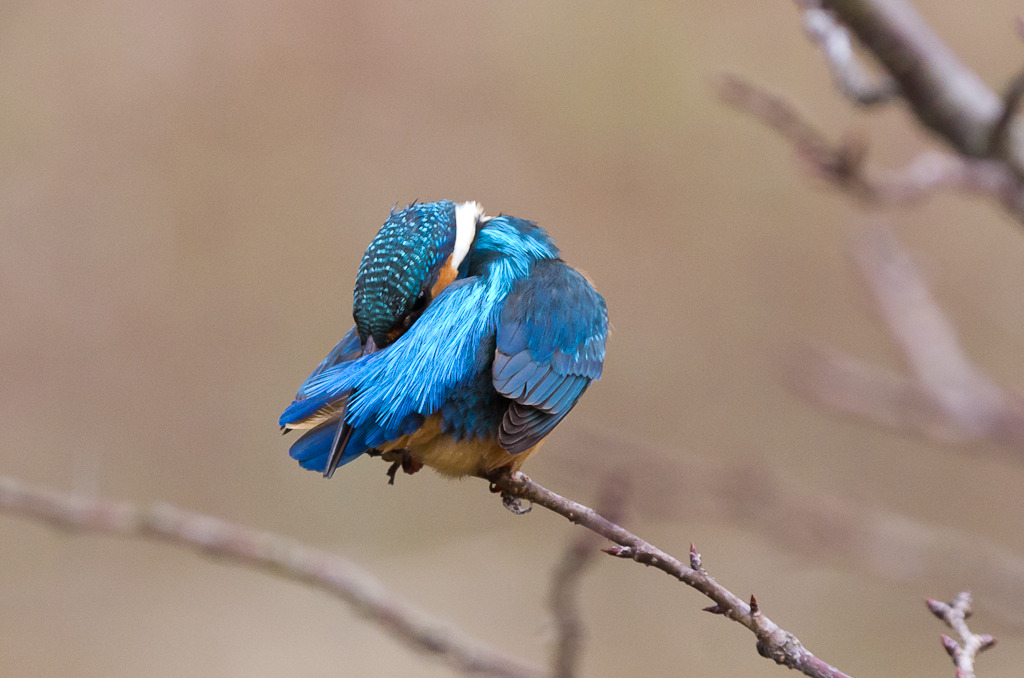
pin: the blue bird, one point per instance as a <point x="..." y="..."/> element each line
<point x="473" y="339"/>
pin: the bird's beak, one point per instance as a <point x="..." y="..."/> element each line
<point x="370" y="346"/>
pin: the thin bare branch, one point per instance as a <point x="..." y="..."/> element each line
<point x="846" y="531"/>
<point x="947" y="96"/>
<point x="773" y="642"/>
<point x="802" y="519"/>
<point x="843" y="164"/>
<point x="857" y="388"/>
<point x="933" y="171"/>
<point x="925" y="335"/>
<point x="568" y="619"/>
<point x="578" y="556"/>
<point x="948" y="397"/>
<point x="839" y="163"/>
<point x="1000" y="135"/>
<point x="955" y="614"/>
<point x="275" y="554"/>
<point x="266" y="552"/>
<point x="849" y="75"/>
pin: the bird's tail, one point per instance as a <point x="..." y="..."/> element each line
<point x="313" y="450"/>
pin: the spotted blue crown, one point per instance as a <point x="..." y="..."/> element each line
<point x="399" y="269"/>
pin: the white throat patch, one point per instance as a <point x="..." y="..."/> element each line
<point x="466" y="216"/>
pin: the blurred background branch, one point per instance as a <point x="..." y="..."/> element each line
<point x="844" y="164"/>
<point x="946" y="95"/>
<point x="849" y="75"/>
<point x="948" y="398"/>
<point x="270" y="553"/>
<point x="565" y="581"/>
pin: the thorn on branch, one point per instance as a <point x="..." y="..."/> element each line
<point x="937" y="607"/>
<point x="952" y="648"/>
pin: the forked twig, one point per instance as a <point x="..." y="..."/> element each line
<point x="965" y="651"/>
<point x="844" y="164"/>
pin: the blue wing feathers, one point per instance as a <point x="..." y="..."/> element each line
<point x="565" y="401"/>
<point x="514" y="335"/>
<point x="542" y="386"/>
<point x="506" y="366"/>
<point x="554" y="310"/>
<point x="524" y="426"/>
<point x="550" y="340"/>
<point x="310" y="400"/>
<point x="392" y="391"/>
<point x="569" y="388"/>
<point x="522" y="380"/>
<point x="345" y="350"/>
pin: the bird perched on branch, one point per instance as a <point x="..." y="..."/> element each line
<point x="473" y="339"/>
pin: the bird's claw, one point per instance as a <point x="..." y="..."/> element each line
<point x="400" y="459"/>
<point x="515" y="504"/>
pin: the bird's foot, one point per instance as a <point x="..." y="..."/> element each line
<point x="400" y="459"/>
<point x="513" y="503"/>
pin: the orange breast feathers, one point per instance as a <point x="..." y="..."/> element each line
<point x="441" y="452"/>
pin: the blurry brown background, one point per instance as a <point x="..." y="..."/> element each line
<point x="186" y="190"/>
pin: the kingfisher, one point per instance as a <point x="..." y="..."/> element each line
<point x="472" y="341"/>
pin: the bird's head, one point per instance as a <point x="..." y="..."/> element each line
<point x="418" y="251"/>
